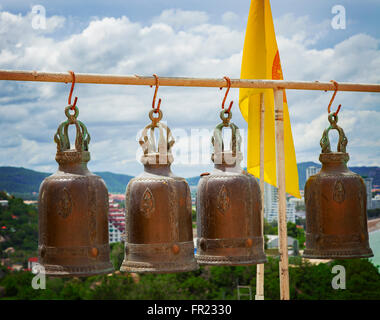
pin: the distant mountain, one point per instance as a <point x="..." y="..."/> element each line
<point x="369" y="172"/>
<point x="25" y="181"/>
<point x="20" y="180"/>
<point x="116" y="183"/>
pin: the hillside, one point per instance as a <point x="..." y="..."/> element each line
<point x="20" y="180"/>
<point x="116" y="183"/>
<point x="25" y="181"/>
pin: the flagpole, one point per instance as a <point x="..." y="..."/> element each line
<point x="260" y="267"/>
<point x="282" y="227"/>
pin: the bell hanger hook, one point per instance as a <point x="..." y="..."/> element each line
<point x="225" y="96"/>
<point x="155" y="94"/>
<point x="332" y="99"/>
<point x="71" y="91"/>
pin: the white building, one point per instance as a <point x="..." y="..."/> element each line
<point x="115" y="232"/>
<point x="4" y="203"/>
<point x="271" y="205"/>
<point x="310" y="171"/>
<point x="376" y="202"/>
<point x="368" y="186"/>
<point x="116" y="222"/>
<point x="273" y="241"/>
<point x="296" y="201"/>
<point x="32" y="262"/>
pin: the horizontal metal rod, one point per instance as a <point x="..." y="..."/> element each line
<point x="182" y="82"/>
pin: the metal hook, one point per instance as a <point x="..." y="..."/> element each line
<point x="155" y="94"/>
<point x="225" y="96"/>
<point x="333" y="97"/>
<point x="71" y="91"/>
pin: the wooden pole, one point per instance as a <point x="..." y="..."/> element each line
<point x="260" y="267"/>
<point x="282" y="223"/>
<point x="181" y="82"/>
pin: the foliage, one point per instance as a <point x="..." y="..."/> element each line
<point x="301" y="222"/>
<point x="116" y="254"/>
<point x="297" y="233"/>
<point x="293" y="231"/>
<point x="193" y="215"/>
<point x="270" y="227"/>
<point x="307" y="282"/>
<point x="20" y="222"/>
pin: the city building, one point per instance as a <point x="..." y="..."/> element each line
<point x="368" y="186"/>
<point x="376" y="202"/>
<point x="117" y="197"/>
<point x="297" y="202"/>
<point x="116" y="219"/>
<point x="32" y="262"/>
<point x="273" y="241"/>
<point x="29" y="202"/>
<point x="271" y="205"/>
<point x="310" y="171"/>
<point x="4" y="203"/>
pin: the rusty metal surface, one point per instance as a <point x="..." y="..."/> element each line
<point x="335" y="200"/>
<point x="228" y="207"/>
<point x="73" y="211"/>
<point x="159" y="235"/>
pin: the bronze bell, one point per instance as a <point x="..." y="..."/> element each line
<point x="228" y="207"/>
<point x="335" y="199"/>
<point x="159" y="235"/>
<point x="73" y="210"/>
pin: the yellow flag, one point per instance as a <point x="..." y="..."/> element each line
<point x="261" y="60"/>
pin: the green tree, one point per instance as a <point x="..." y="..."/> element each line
<point x="117" y="254"/>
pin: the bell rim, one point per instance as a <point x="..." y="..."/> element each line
<point x="60" y="271"/>
<point x="229" y="260"/>
<point x="145" y="267"/>
<point x="336" y="255"/>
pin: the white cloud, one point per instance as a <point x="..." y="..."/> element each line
<point x="177" y="43"/>
<point x="229" y="17"/>
<point x="178" y="18"/>
<point x="301" y="29"/>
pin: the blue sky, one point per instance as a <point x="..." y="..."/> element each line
<point x="178" y="38"/>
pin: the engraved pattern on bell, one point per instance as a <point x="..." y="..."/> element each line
<point x="147" y="205"/>
<point x="339" y="194"/>
<point x="92" y="212"/>
<point x="223" y="200"/>
<point x="64" y="204"/>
